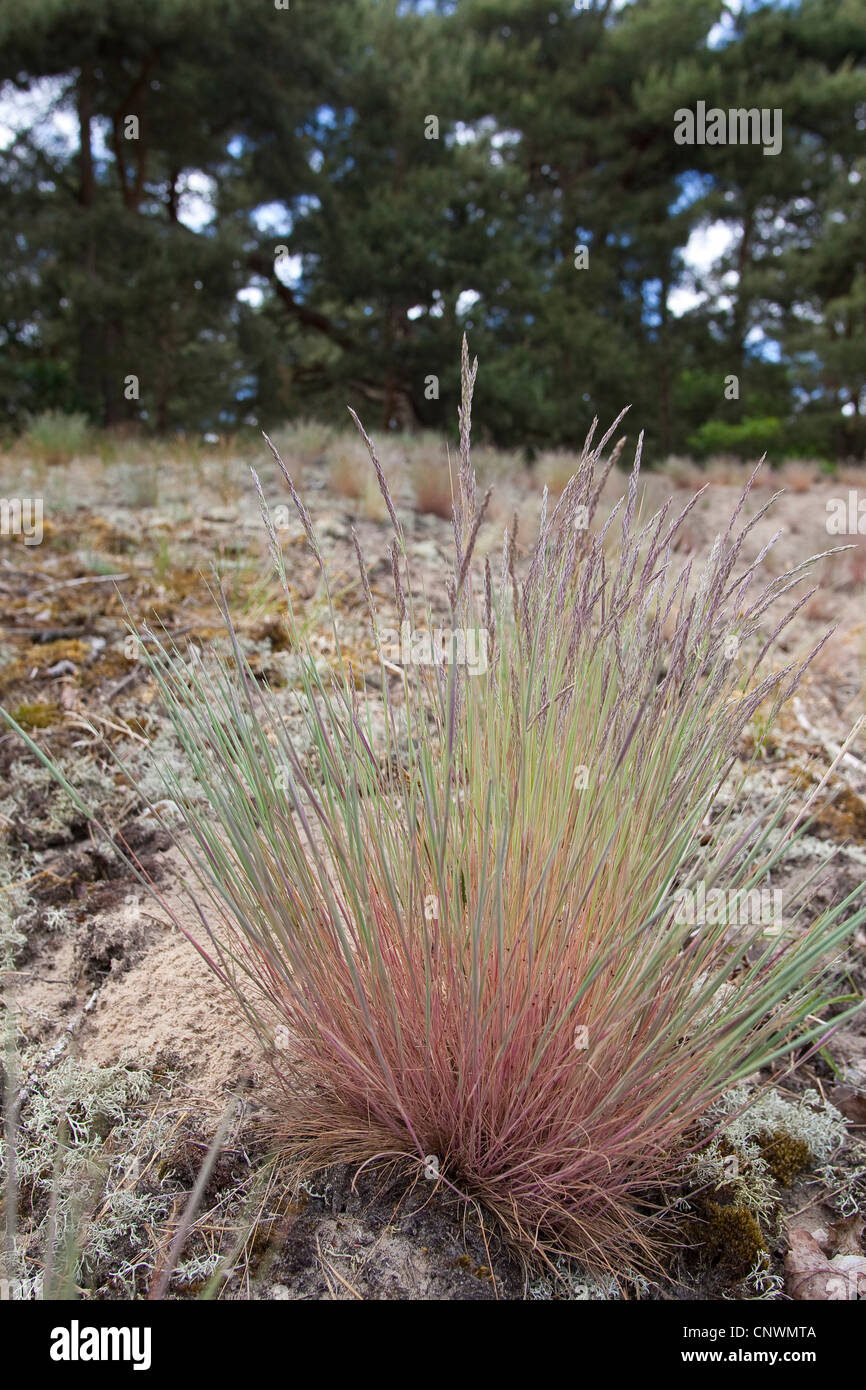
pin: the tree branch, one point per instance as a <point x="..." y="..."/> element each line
<point x="310" y="318"/>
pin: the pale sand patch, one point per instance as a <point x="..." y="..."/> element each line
<point x="171" y="1000"/>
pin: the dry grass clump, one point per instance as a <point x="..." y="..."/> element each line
<point x="349" y="476"/>
<point x="492" y="465"/>
<point x="554" y="468"/>
<point x="304" y="442"/>
<point x="799" y="475"/>
<point x="684" y="473"/>
<point x="431" y="475"/>
<point x="348" y="467"/>
<point x="725" y="470"/>
<point x="449" y="905"/>
<point x="54" y="437"/>
<point x="137" y="484"/>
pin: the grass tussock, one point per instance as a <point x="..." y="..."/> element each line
<point x="432" y="485"/>
<point x="451" y="897"/>
<point x="350" y="478"/>
<point x="55" y="437"/>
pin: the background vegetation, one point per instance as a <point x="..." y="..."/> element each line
<point x="306" y="129"/>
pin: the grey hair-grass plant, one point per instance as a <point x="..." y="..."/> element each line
<point x="452" y="894"/>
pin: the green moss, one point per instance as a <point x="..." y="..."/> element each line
<point x="784" y="1156"/>
<point x="734" y="1236"/>
<point x="35" y="714"/>
<point x="63" y="649"/>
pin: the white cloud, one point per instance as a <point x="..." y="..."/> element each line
<point x="195" y="206"/>
<point x="703" y="250"/>
<point x="465" y="301"/>
<point x="24" y="111"/>
<point x="289" y="270"/>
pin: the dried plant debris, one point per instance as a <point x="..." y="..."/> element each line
<point x="814" y="1272"/>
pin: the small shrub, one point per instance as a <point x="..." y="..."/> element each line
<point x="304" y="442"/>
<point x="748" y="438"/>
<point x="348" y="467"/>
<point x="432" y="484"/>
<point x="55" y="437"/>
<point x="799" y="475"/>
<point x="554" y="468"/>
<point x="725" y="470"/>
<point x="136" y="484"/>
<point x="683" y="473"/>
<point x="349" y="476"/>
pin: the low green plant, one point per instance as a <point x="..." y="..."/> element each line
<point x="55" y="436"/>
<point x="304" y="441"/>
<point x="136" y="484"/>
<point x="748" y="438"/>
